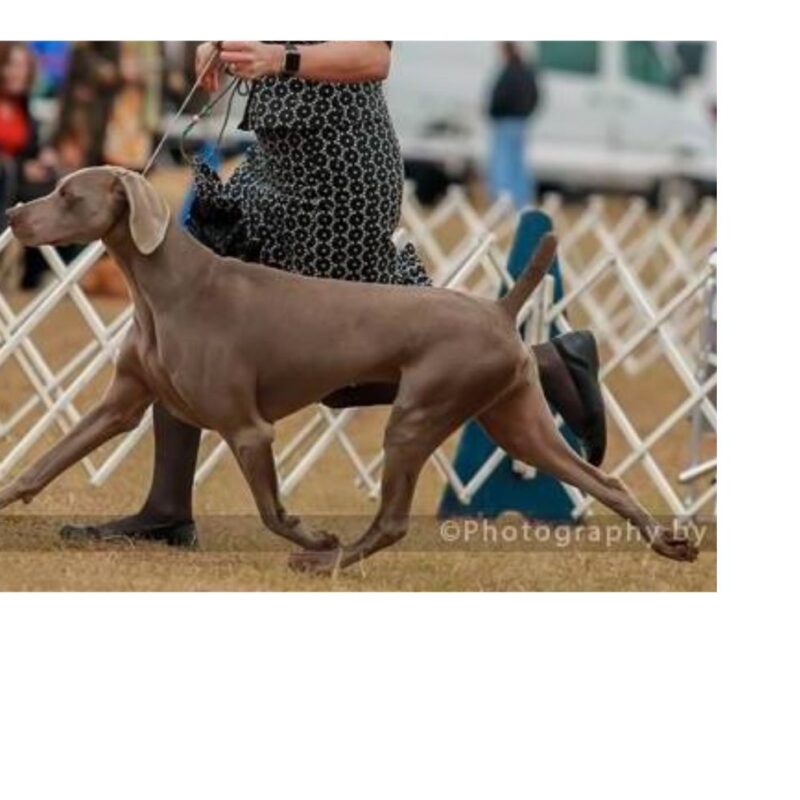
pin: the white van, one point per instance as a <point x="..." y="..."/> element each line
<point x="612" y="115"/>
<point x="697" y="63"/>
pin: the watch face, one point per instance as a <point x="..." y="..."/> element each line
<point x="292" y="61"/>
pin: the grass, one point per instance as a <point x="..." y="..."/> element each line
<point x="42" y="562"/>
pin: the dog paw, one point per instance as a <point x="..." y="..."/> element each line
<point x="310" y="540"/>
<point x="316" y="562"/>
<point x="322" y="540"/>
<point x="10" y="494"/>
<point x="20" y="489"/>
<point x="675" y="547"/>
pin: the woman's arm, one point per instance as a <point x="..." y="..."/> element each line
<point x="345" y="62"/>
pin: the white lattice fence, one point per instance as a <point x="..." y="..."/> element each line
<point x="637" y="279"/>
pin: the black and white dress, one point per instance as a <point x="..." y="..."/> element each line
<point x="320" y="191"/>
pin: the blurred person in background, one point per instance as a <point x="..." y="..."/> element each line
<point x="27" y="170"/>
<point x="135" y="110"/>
<point x="513" y="100"/>
<point x="111" y="104"/>
<point x="319" y="194"/>
<point x="86" y="101"/>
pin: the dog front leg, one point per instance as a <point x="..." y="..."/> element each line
<point x="252" y="448"/>
<point x="119" y="411"/>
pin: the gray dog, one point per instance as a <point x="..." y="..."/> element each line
<point x="234" y="347"/>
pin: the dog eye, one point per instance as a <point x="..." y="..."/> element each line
<point x="69" y="198"/>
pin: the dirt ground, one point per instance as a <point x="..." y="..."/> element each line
<point x="33" y="557"/>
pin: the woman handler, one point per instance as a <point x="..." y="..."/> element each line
<point x="319" y="194"/>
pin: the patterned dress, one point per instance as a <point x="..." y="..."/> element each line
<point x="320" y="191"/>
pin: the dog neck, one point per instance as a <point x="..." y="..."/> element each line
<point x="166" y="277"/>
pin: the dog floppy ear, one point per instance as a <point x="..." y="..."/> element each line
<point x="148" y="214"/>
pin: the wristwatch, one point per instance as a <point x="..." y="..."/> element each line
<point x="291" y="60"/>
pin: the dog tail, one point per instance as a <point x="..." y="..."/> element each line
<point x="531" y="276"/>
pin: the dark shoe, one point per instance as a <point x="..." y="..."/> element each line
<point x="578" y="351"/>
<point x="175" y="534"/>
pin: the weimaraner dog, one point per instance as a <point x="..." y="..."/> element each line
<point x="234" y="347"/>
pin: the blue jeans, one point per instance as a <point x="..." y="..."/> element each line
<point x="508" y="172"/>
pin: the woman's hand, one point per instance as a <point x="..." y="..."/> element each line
<point x="205" y="52"/>
<point x="252" y="59"/>
<point x="343" y="62"/>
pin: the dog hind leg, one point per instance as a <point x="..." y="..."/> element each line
<point x="406" y="449"/>
<point x="523" y="426"/>
<point x="427" y="410"/>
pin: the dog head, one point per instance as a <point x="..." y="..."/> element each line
<point x="86" y="205"/>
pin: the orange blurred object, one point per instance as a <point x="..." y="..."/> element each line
<point x="105" y="279"/>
